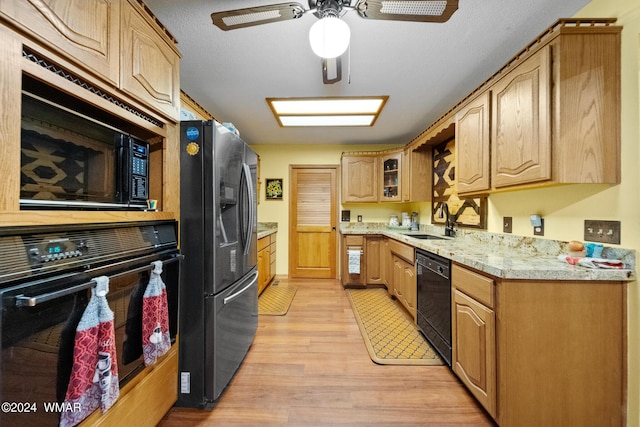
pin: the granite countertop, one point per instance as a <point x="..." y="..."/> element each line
<point x="505" y="256"/>
<point x="267" y="228"/>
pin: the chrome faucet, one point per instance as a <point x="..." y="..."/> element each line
<point x="443" y="212"/>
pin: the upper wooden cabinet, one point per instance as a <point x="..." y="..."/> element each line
<point x="521" y="132"/>
<point x="417" y="174"/>
<point x="402" y="175"/>
<point x="550" y="116"/>
<point x="391" y="169"/>
<point x="86" y="32"/>
<point x="359" y="178"/>
<point x="472" y="145"/>
<point x="150" y="62"/>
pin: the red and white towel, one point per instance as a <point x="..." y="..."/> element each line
<point x="155" y="317"/>
<point x="94" y="376"/>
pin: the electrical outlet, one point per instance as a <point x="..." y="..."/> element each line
<point x="507" y="224"/>
<point x="602" y="231"/>
<point x="539" y="229"/>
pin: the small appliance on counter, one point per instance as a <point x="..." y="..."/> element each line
<point x="415" y="222"/>
<point x="406" y="221"/>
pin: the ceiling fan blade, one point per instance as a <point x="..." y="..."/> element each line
<point x="240" y="18"/>
<point x="407" y="10"/>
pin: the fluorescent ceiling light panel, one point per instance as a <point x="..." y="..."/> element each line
<point x="345" y="111"/>
<point x="351" y="120"/>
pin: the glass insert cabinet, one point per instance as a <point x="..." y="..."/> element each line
<point x="391" y="177"/>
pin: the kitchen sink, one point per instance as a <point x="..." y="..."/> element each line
<point x="425" y="236"/>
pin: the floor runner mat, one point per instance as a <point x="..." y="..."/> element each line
<point x="390" y="335"/>
<point x="276" y="300"/>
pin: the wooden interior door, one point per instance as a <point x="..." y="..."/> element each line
<point x="312" y="222"/>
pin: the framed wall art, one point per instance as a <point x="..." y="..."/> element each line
<point x="273" y="189"/>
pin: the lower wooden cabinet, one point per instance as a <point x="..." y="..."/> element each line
<point x="266" y="261"/>
<point x="541" y="352"/>
<point x="404" y="284"/>
<point x="374" y="252"/>
<point x="474" y="359"/>
<point x="353" y="246"/>
<point x="403" y="276"/>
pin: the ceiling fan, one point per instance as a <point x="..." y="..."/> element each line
<point x="329" y="37"/>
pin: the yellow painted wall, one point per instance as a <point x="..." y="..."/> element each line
<point x="564" y="208"/>
<point x="274" y="163"/>
<point x="621" y="202"/>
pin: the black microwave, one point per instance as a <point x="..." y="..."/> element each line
<point x="72" y="161"/>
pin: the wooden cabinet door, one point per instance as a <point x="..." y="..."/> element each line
<point x="474" y="347"/>
<point x="390" y="176"/>
<point x="150" y="64"/>
<point x="85" y="31"/>
<point x="359" y="179"/>
<point x="473" y="145"/>
<point x="521" y="124"/>
<point x="397" y="277"/>
<point x="410" y="288"/>
<point x="264" y="263"/>
<point x="373" y="252"/>
<point x="406" y="175"/>
<point x="387" y="269"/>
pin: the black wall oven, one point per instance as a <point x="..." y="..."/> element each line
<point x="46" y="276"/>
<point x="434" y="301"/>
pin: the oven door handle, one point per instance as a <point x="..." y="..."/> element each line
<point x="25" y="301"/>
<point x="230" y="298"/>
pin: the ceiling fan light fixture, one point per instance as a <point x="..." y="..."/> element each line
<point x="329" y="37"/>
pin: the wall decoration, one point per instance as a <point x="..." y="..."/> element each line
<point x="463" y="211"/>
<point x="273" y="189"/>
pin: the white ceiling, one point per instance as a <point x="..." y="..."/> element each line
<point x="424" y="68"/>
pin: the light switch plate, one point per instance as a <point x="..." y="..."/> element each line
<point x="602" y="231"/>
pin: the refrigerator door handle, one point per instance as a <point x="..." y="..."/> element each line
<point x="249" y="225"/>
<point x="230" y="298"/>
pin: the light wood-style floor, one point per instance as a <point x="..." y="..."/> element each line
<point x="311" y="368"/>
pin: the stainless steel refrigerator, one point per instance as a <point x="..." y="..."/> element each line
<point x="219" y="291"/>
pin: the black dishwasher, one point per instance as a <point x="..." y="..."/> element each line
<point x="434" y="301"/>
